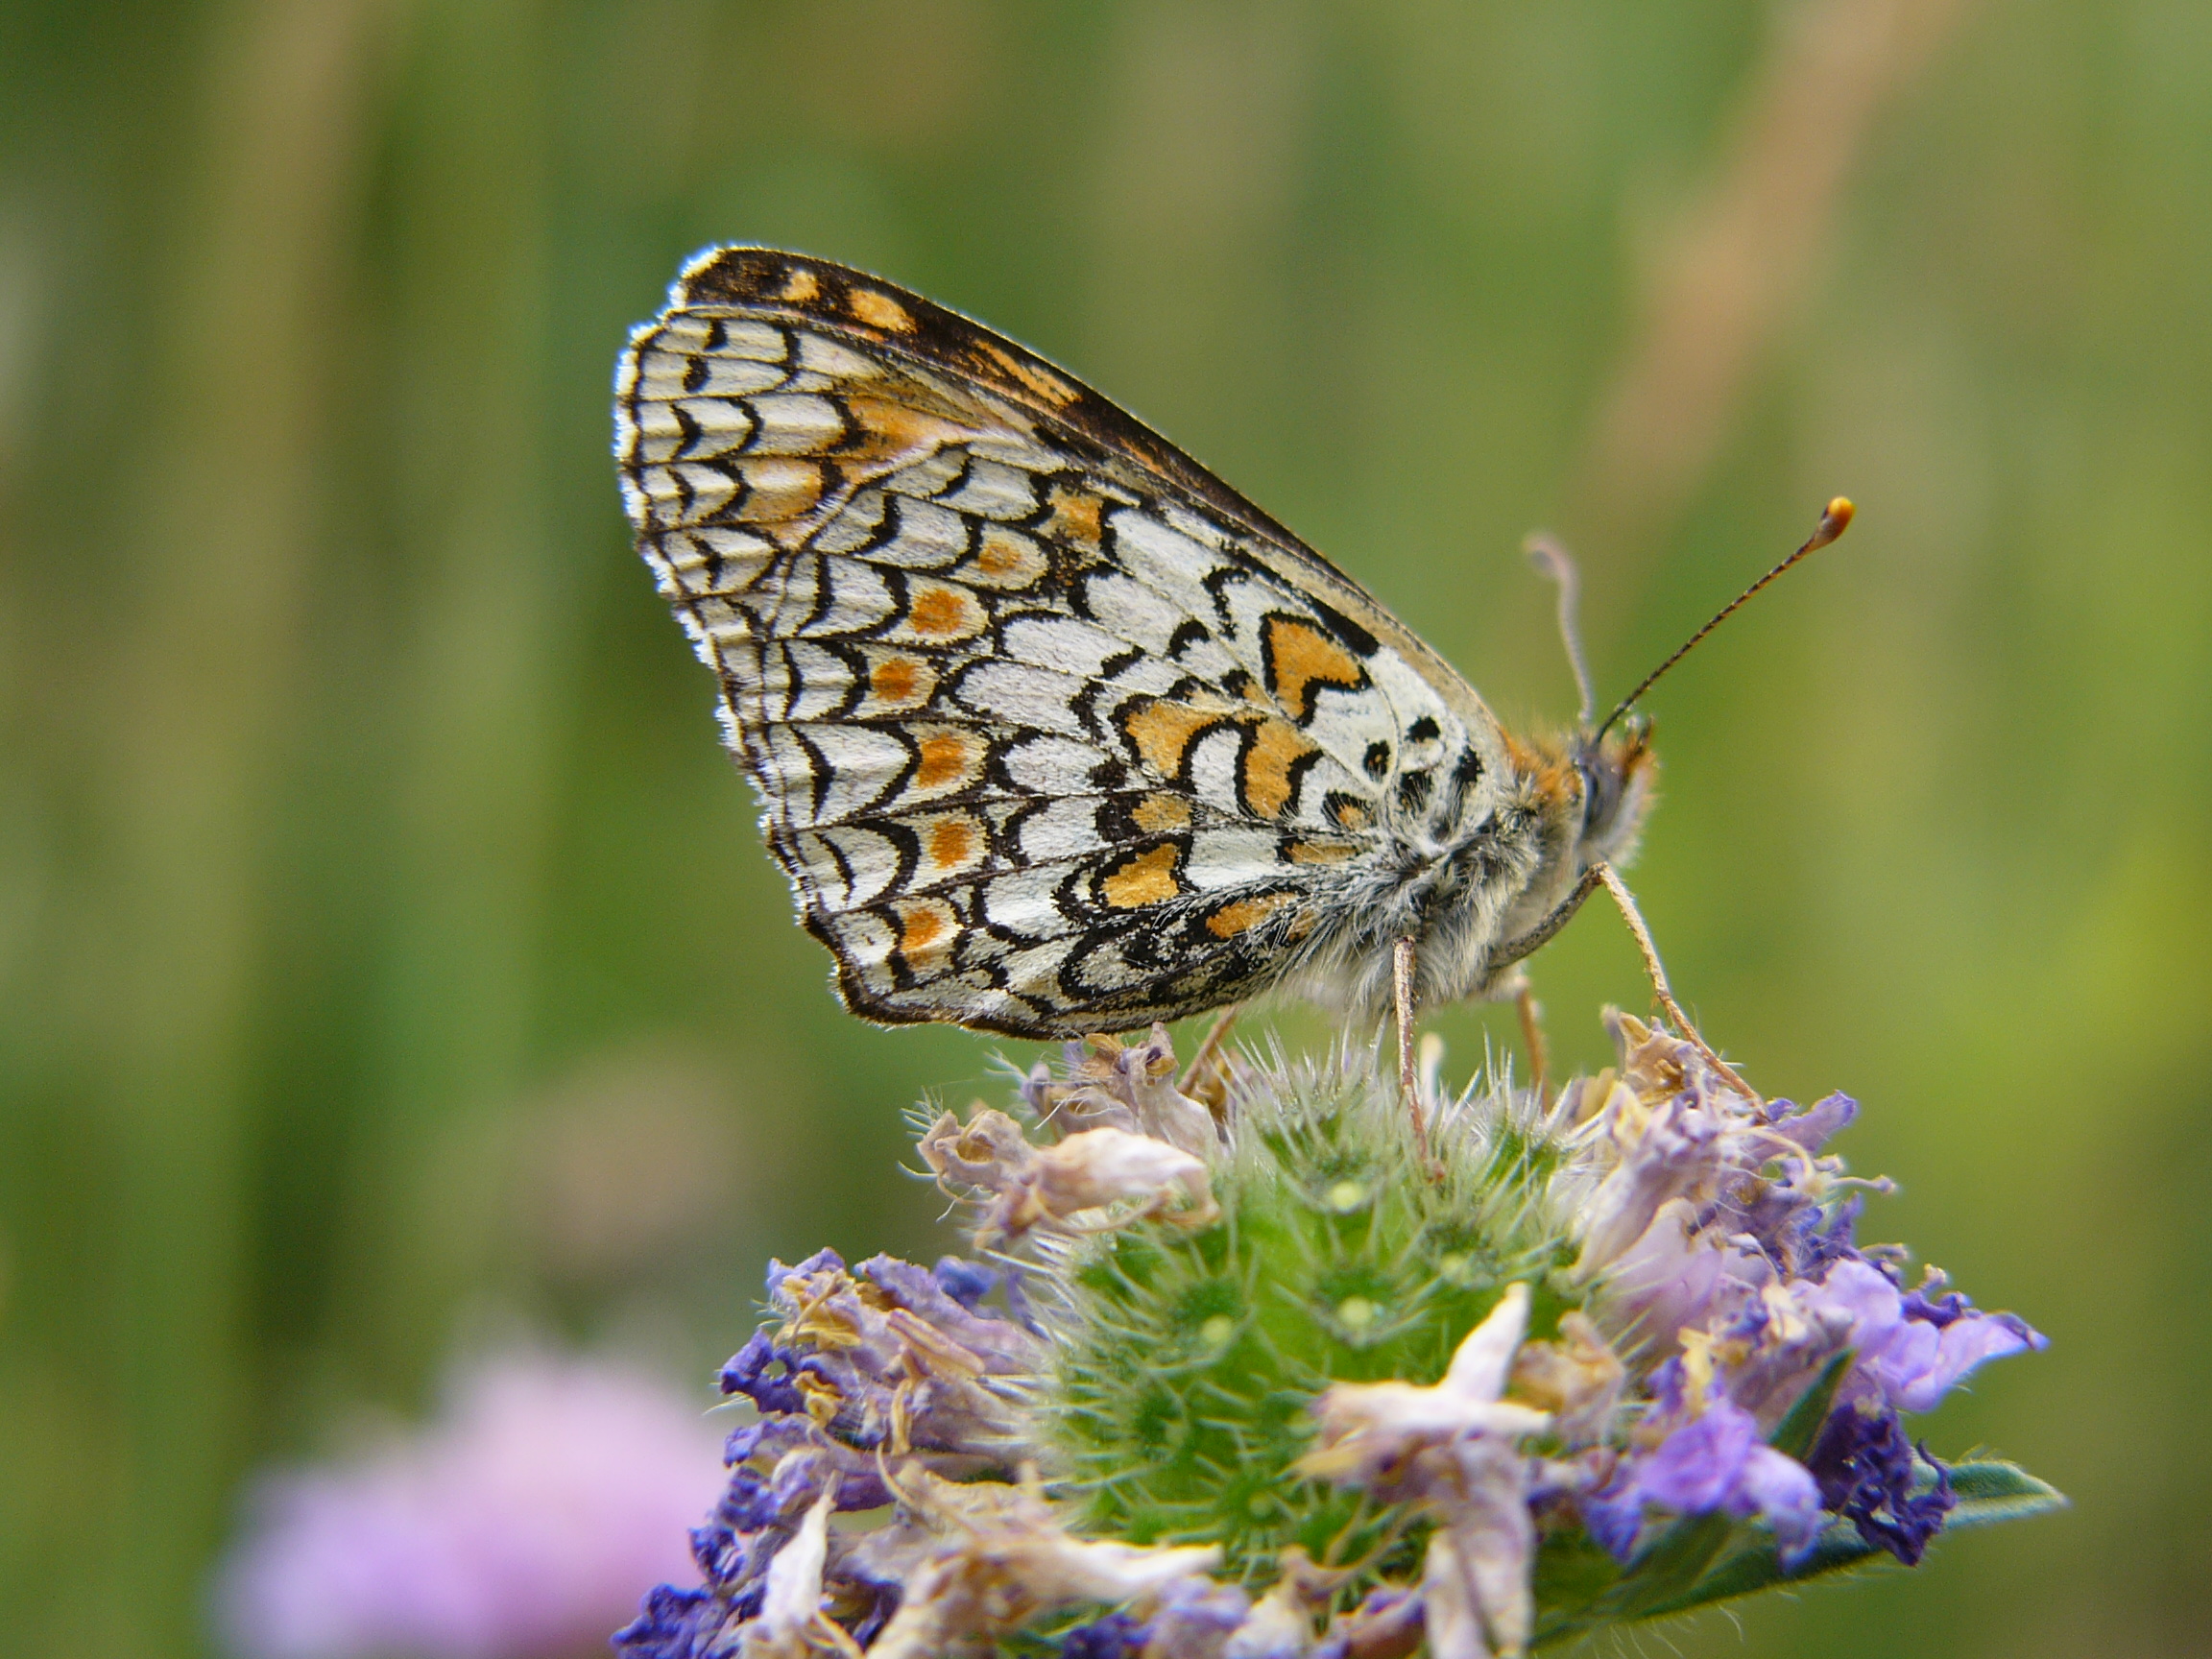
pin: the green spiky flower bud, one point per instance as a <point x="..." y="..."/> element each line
<point x="1179" y="1401"/>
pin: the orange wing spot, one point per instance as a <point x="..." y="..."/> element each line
<point x="1299" y="657"/>
<point x="1162" y="731"/>
<point x="1076" y="516"/>
<point x="1006" y="560"/>
<point x="1246" y="914"/>
<point x="1351" y="815"/>
<point x="1276" y="746"/>
<point x="1149" y="878"/>
<point x="1042" y="381"/>
<point x="948" y="758"/>
<point x="926" y="930"/>
<point x="1322" y="852"/>
<point x="802" y="287"/>
<point x="939" y="612"/>
<point x="879" y="310"/>
<point x="779" y="490"/>
<point x="1161" y="814"/>
<point x="895" y="678"/>
<point x="952" y="842"/>
<point x="890" y="431"/>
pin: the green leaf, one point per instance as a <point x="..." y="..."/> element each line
<point x="1573" y="1576"/>
<point x="1580" y="1588"/>
<point x="1753" y="1564"/>
<point x="1794" y="1437"/>
<point x="1987" y="1491"/>
<point x="1994" y="1490"/>
<point x="1671" y="1566"/>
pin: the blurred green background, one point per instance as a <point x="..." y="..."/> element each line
<point x="385" y="947"/>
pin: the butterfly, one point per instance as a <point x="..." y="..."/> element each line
<point x="1053" y="731"/>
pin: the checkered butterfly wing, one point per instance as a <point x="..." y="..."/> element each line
<point x="1055" y="733"/>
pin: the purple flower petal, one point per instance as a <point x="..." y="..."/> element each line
<point x="1868" y="1474"/>
<point x="748" y="1374"/>
<point x="1698" y="1467"/>
<point x="1812" y="1128"/>
<point x="967" y="1283"/>
<point x="1714" y="1463"/>
<point x="1782" y="1492"/>
<point x="1913" y="1362"/>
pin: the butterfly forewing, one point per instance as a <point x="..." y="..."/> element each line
<point x="1053" y="731"/>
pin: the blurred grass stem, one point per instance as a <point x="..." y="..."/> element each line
<point x="204" y="666"/>
<point x="1737" y="263"/>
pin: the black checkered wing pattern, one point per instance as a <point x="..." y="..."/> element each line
<point x="1053" y="731"/>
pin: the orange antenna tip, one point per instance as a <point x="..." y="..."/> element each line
<point x="1835" y="519"/>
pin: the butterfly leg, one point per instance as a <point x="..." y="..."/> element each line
<point x="1402" y="964"/>
<point x="1657" y="974"/>
<point x="1541" y="935"/>
<point x="1531" y="1016"/>
<point x="1195" y="1074"/>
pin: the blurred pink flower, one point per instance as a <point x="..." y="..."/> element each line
<point x="525" y="1523"/>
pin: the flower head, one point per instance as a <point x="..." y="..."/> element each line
<point x="1276" y="1385"/>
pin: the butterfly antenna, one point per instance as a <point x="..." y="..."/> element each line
<point x="1556" y="563"/>
<point x="1835" y="519"/>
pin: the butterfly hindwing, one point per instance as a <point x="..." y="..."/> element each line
<point x="1053" y="731"/>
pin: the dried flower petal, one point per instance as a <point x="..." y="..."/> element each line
<point x="1281" y="1623"/>
<point x="1367" y="1427"/>
<point x="1577" y="1378"/>
<point x="1132" y="1086"/>
<point x="1005" y="1559"/>
<point x="1090" y="1169"/>
<point x="1870" y="1473"/>
<point x="1475" y="1579"/>
<point x="791" y="1623"/>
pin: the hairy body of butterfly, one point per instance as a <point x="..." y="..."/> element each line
<point x="1053" y="731"/>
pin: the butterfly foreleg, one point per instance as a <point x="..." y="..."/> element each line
<point x="1660" y="992"/>
<point x="1209" y="1057"/>
<point x="1530" y="1013"/>
<point x="1403" y="967"/>
<point x="1504" y="956"/>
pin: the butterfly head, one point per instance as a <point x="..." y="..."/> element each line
<point x="1575" y="802"/>
<point x="1616" y="771"/>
